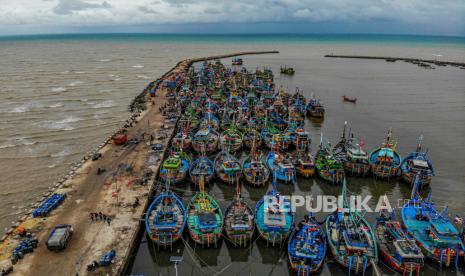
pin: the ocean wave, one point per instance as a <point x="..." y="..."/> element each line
<point x="62" y="153"/>
<point x="142" y="77"/>
<point x="20" y="109"/>
<point x="59" y="89"/>
<point x="104" y="104"/>
<point x="103" y="60"/>
<point x="138" y="66"/>
<point x="55" y="105"/>
<point x="65" y="124"/>
<point x="17" y="142"/>
<point x="79" y="72"/>
<point x="74" y="83"/>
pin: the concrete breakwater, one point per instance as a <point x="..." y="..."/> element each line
<point x="411" y="60"/>
<point x="110" y="184"/>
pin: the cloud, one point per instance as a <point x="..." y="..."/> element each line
<point x="444" y="15"/>
<point x="71" y="6"/>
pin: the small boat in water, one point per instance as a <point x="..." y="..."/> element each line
<point x="385" y="160"/>
<point x="239" y="223"/>
<point x="432" y="230"/>
<point x="396" y="247"/>
<point x="227" y="167"/>
<point x="182" y="140"/>
<point x="237" y="61"/>
<point x="203" y="168"/>
<point x="304" y="163"/>
<point x="287" y="70"/>
<point x="204" y="218"/>
<point x="315" y="109"/>
<point x="281" y="166"/>
<point x="354" y="157"/>
<point x="415" y="163"/>
<point x="175" y="168"/>
<point x="274" y="218"/>
<point x="231" y="139"/>
<point x="349" y="99"/>
<point x="165" y="218"/>
<point x="205" y="140"/>
<point x="254" y="169"/>
<point x="252" y="137"/>
<point x="307" y="245"/>
<point x="350" y="237"/>
<point x="327" y="165"/>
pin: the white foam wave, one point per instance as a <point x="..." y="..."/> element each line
<point x="56" y="105"/>
<point x="138" y="66"/>
<point x="144" y="77"/>
<point x="65" y="124"/>
<point x="59" y="89"/>
<point x="74" y="83"/>
<point x="80" y="72"/>
<point x="62" y="153"/>
<point x="104" y="104"/>
<point x="103" y="60"/>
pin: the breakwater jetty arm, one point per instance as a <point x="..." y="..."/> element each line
<point x="393" y="59"/>
<point x="113" y="180"/>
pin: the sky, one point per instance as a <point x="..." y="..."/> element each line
<point x="423" y="17"/>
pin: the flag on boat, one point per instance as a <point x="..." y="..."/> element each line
<point x="458" y="220"/>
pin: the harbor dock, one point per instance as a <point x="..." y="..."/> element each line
<point x="410" y="60"/>
<point x="118" y="184"/>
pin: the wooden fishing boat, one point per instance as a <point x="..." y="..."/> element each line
<point x="274" y="218"/>
<point x="301" y="139"/>
<point x="203" y="168"/>
<point x="252" y="137"/>
<point x="231" y="139"/>
<point x="415" y="163"/>
<point x="357" y="162"/>
<point x="315" y="109"/>
<point x="349" y="99"/>
<point x="227" y="167"/>
<point x="281" y="167"/>
<point x="287" y="70"/>
<point x="327" y="165"/>
<point x="204" y="219"/>
<point x="205" y="140"/>
<point x="165" y="219"/>
<point x="239" y="223"/>
<point x="432" y="230"/>
<point x="254" y="169"/>
<point x="307" y="247"/>
<point x="175" y="167"/>
<point x="237" y="61"/>
<point x="385" y="160"/>
<point x="350" y="237"/>
<point x="396" y="247"/>
<point x="304" y="163"/>
<point x="209" y="120"/>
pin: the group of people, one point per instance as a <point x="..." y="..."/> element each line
<point x="100" y="217"/>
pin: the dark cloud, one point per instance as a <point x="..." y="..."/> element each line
<point x="71" y="6"/>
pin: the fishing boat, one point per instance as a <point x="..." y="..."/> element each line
<point x="300" y="138"/>
<point x="396" y="247"/>
<point x="227" y="167"/>
<point x="327" y="165"/>
<point x="254" y="169"/>
<point x="175" y="167"/>
<point x="357" y="162"/>
<point x="252" y="137"/>
<point x="385" y="160"/>
<point x="204" y="218"/>
<point x="349" y="99"/>
<point x="205" y="140"/>
<point x="231" y="139"/>
<point x="287" y="70"/>
<point x="307" y="247"/>
<point x="237" y="61"/>
<point x="182" y="140"/>
<point x="304" y="163"/>
<point x="165" y="218"/>
<point x="432" y="230"/>
<point x="281" y="166"/>
<point x="203" y="168"/>
<point x="350" y="237"/>
<point x="315" y="109"/>
<point x="274" y="218"/>
<point x="415" y="163"/>
<point x="239" y="223"/>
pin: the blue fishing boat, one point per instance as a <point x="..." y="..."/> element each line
<point x="307" y="247"/>
<point x="165" y="219"/>
<point x="385" y="160"/>
<point x="274" y="218"/>
<point x="315" y="109"/>
<point x="432" y="230"/>
<point x="205" y="140"/>
<point x="281" y="166"/>
<point x="175" y="167"/>
<point x="396" y="247"/>
<point x="227" y="167"/>
<point x="254" y="169"/>
<point x="415" y="163"/>
<point x="202" y="167"/>
<point x="350" y="237"/>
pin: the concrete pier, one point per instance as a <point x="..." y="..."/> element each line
<point x="112" y="193"/>
<point x="393" y="59"/>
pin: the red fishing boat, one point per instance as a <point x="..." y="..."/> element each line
<point x="349" y="99"/>
<point x="120" y="138"/>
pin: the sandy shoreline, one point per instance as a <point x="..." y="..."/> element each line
<point x="113" y="193"/>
